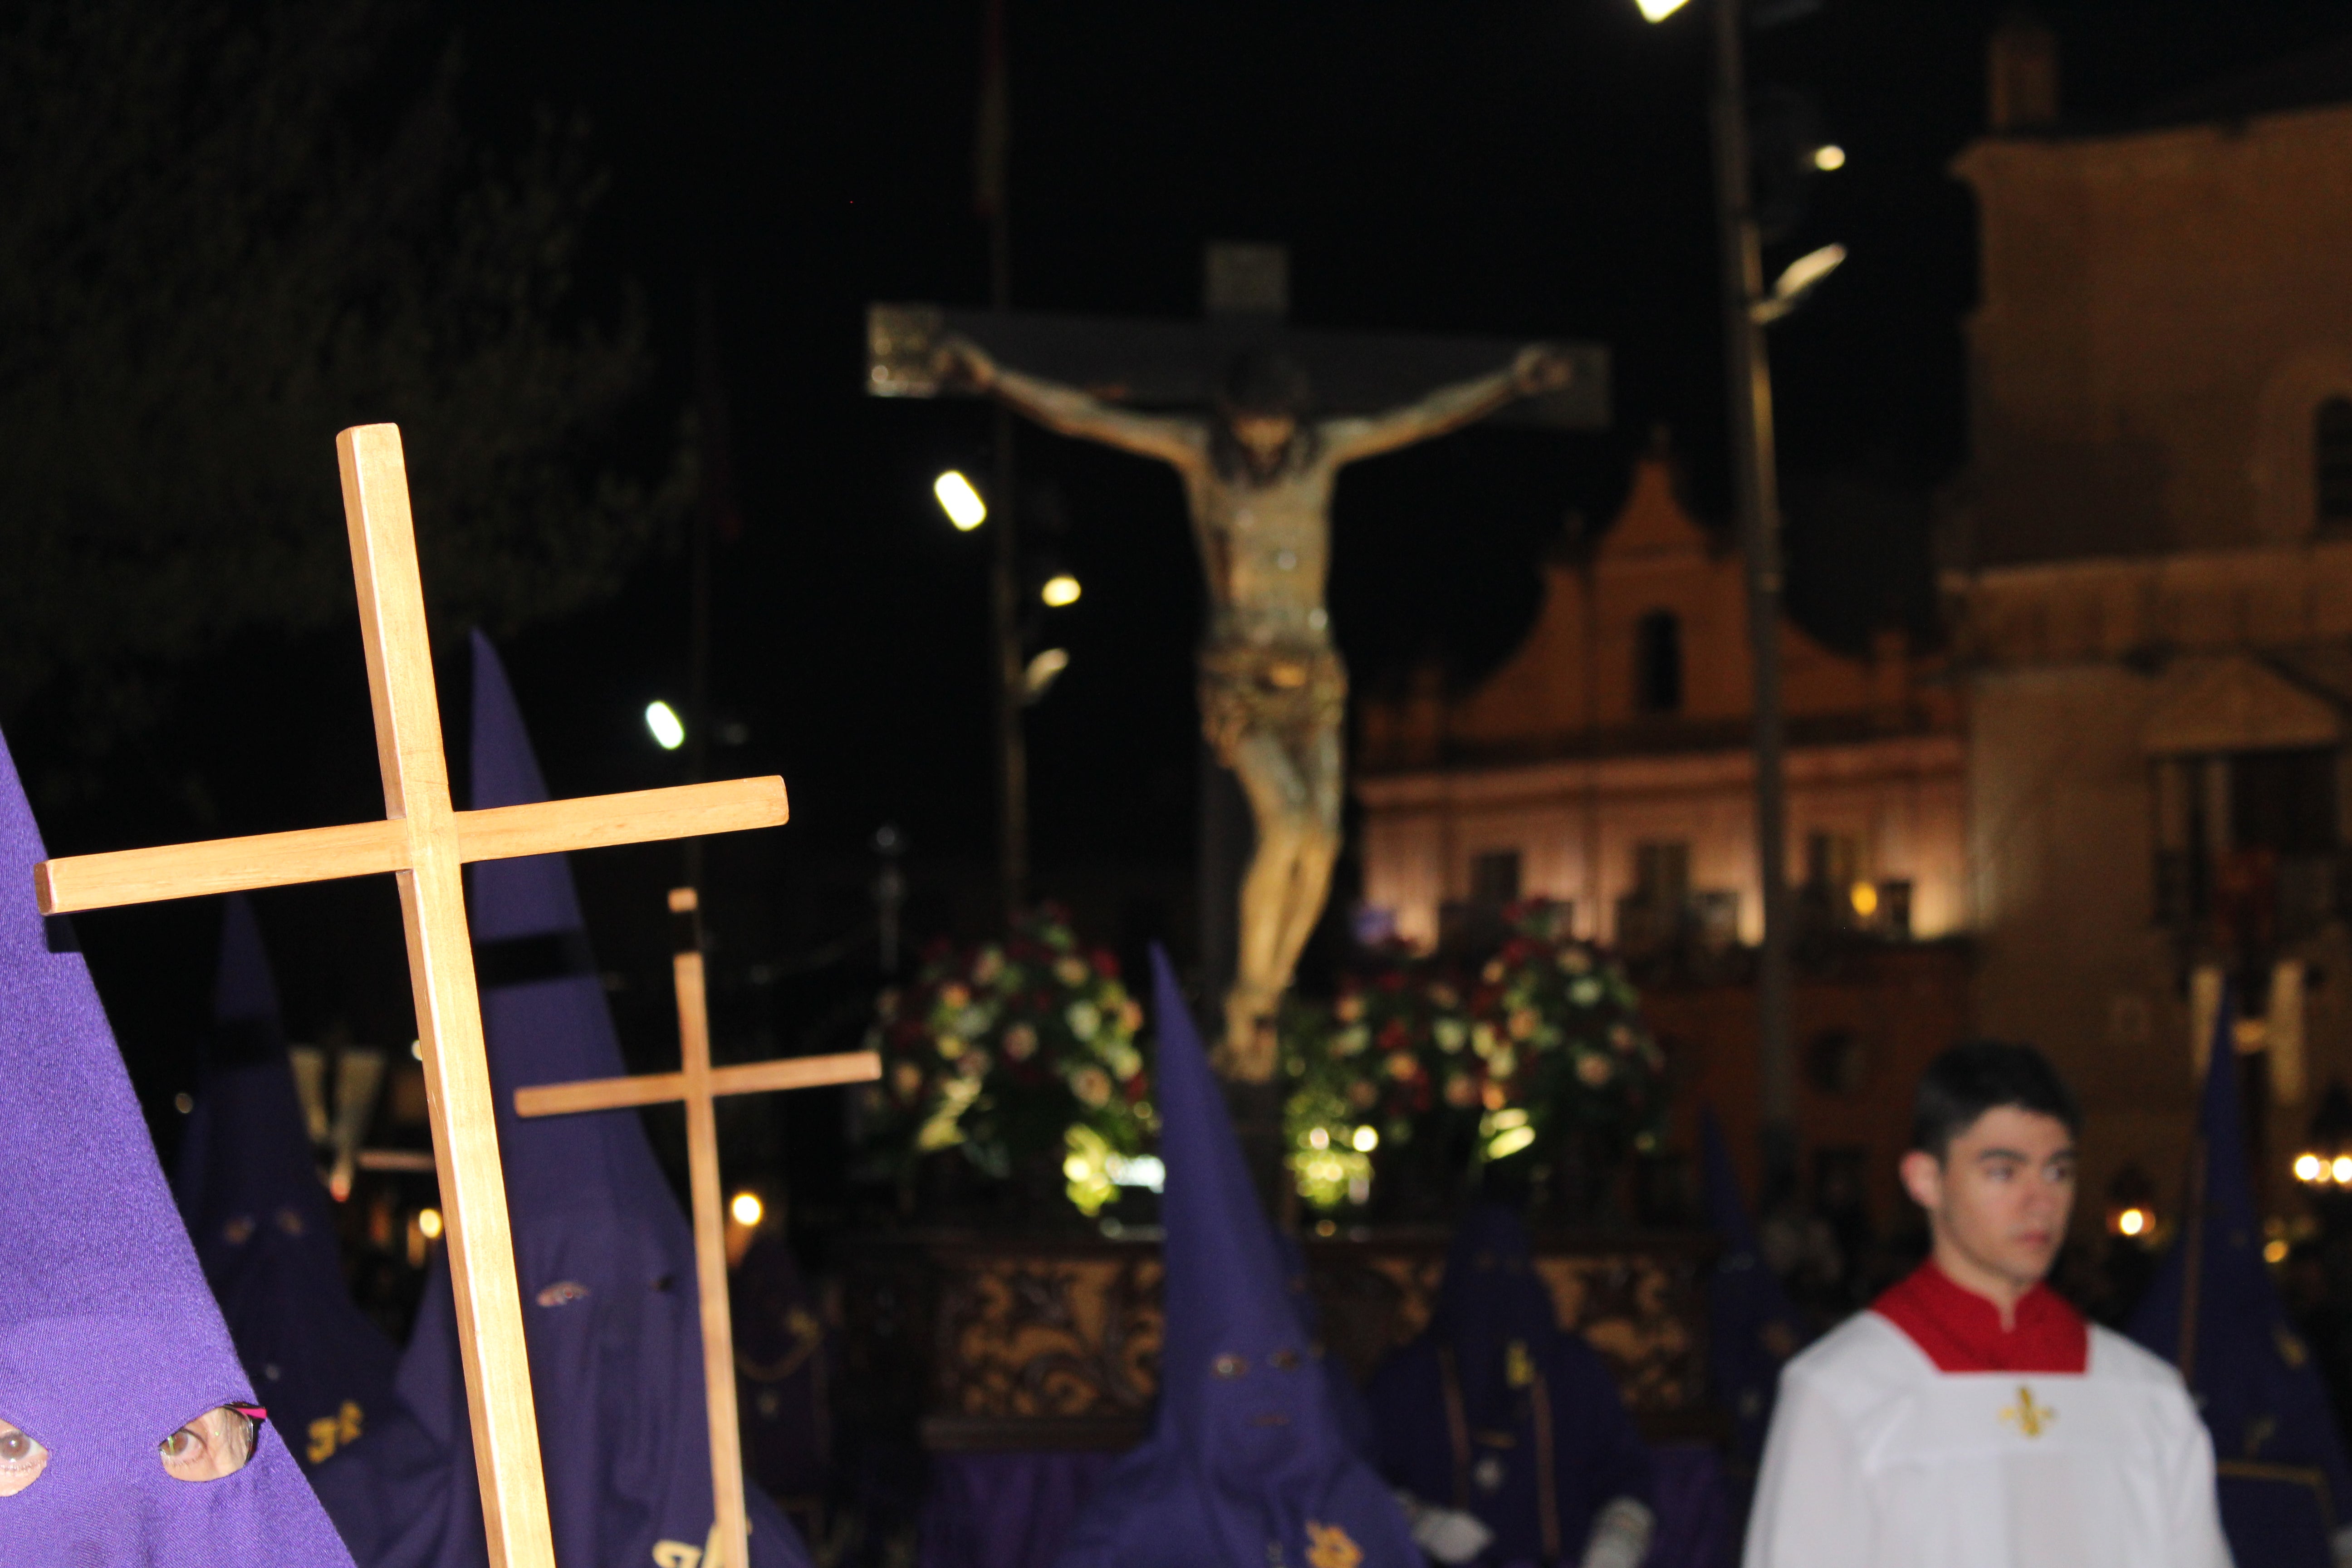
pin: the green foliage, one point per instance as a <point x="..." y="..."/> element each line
<point x="225" y="233"/>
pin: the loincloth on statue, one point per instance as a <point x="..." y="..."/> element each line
<point x="1293" y="693"/>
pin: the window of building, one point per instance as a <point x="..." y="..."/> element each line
<point x="2283" y="801"/>
<point x="2331" y="454"/>
<point x="1661" y="874"/>
<point x="1495" y="877"/>
<point x="1832" y="860"/>
<point x="1658" y="663"/>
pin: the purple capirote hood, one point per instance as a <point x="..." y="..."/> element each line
<point x="1245" y="1465"/>
<point x="603" y="1253"/>
<point x="108" y="1338"/>
<point x="262" y="1222"/>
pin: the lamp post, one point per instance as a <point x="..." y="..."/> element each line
<point x="1747" y="309"/>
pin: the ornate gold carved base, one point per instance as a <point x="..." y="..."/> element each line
<point x="977" y="1341"/>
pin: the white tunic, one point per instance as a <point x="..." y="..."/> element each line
<point x="1875" y="1459"/>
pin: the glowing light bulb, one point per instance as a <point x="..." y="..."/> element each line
<point x="959" y="501"/>
<point x="2131" y="1222"/>
<point x="428" y="1221"/>
<point x="2341" y="1169"/>
<point x="1060" y="590"/>
<point x="1318" y="1139"/>
<point x="1659" y="10"/>
<point x="1829" y="157"/>
<point x="2274" y="1251"/>
<point x="745" y="1209"/>
<point x="669" y="729"/>
<point x="1866" y="899"/>
<point x="2308" y="1167"/>
<point x="1366" y="1140"/>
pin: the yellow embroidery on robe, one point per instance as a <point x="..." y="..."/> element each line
<point x="329" y="1433"/>
<point x="1328" y="1546"/>
<point x="2028" y="1418"/>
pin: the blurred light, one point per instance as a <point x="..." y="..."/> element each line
<point x="1144" y="1171"/>
<point x="746" y="1208"/>
<point x="2309" y="1168"/>
<point x="959" y="501"/>
<point x="2132" y="1222"/>
<point x="669" y="730"/>
<point x="2274" y="1251"/>
<point x="1504" y="1119"/>
<point x="1807" y="270"/>
<point x="416" y="1050"/>
<point x="1829" y="157"/>
<point x="1042" y="672"/>
<point x="1866" y="899"/>
<point x="1060" y="590"/>
<point x="184" y="1102"/>
<point x="2342" y="1169"/>
<point x="1318" y="1139"/>
<point x="429" y="1222"/>
<point x="1510" y="1141"/>
<point x="1366" y="1140"/>
<point x="1659" y="10"/>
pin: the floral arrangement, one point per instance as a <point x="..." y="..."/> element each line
<point x="1011" y="1053"/>
<point x="1544" y="1044"/>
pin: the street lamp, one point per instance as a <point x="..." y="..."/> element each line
<point x="959" y="501"/>
<point x="669" y="729"/>
<point x="1748" y="309"/>
<point x="967" y="510"/>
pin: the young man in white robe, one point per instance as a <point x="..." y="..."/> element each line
<point x="1972" y="1418"/>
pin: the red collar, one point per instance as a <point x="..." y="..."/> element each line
<point x="1960" y="1331"/>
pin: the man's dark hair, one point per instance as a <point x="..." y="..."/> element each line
<point x="1267" y="382"/>
<point x="1978" y="1076"/>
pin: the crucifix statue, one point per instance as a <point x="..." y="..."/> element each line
<point x="1257" y="470"/>
<point x="1258" y="417"/>
<point x="700" y="1086"/>
<point x="424" y="842"/>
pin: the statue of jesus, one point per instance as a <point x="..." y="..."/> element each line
<point x="1257" y="474"/>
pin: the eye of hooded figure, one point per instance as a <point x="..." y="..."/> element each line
<point x="215" y="1444"/>
<point x="22" y="1460"/>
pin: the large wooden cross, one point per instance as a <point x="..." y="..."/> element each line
<point x="423" y="842"/>
<point x="699" y="1085"/>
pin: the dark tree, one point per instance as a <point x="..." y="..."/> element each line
<point x="227" y="231"/>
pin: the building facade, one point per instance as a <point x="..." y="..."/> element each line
<point x="1608" y="764"/>
<point x="2152" y="599"/>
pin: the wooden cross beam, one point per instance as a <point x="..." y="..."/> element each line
<point x="423" y="842"/>
<point x="699" y="1085"/>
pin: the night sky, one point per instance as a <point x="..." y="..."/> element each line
<point x="1533" y="170"/>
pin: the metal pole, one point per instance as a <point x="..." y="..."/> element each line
<point x="1004" y="581"/>
<point x="1751" y="377"/>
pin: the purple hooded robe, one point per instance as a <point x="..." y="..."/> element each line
<point x="264" y="1229"/>
<point x="110" y="1339"/>
<point x="1245" y="1465"/>
<point x="604" y="1252"/>
<point x="1519" y="1384"/>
